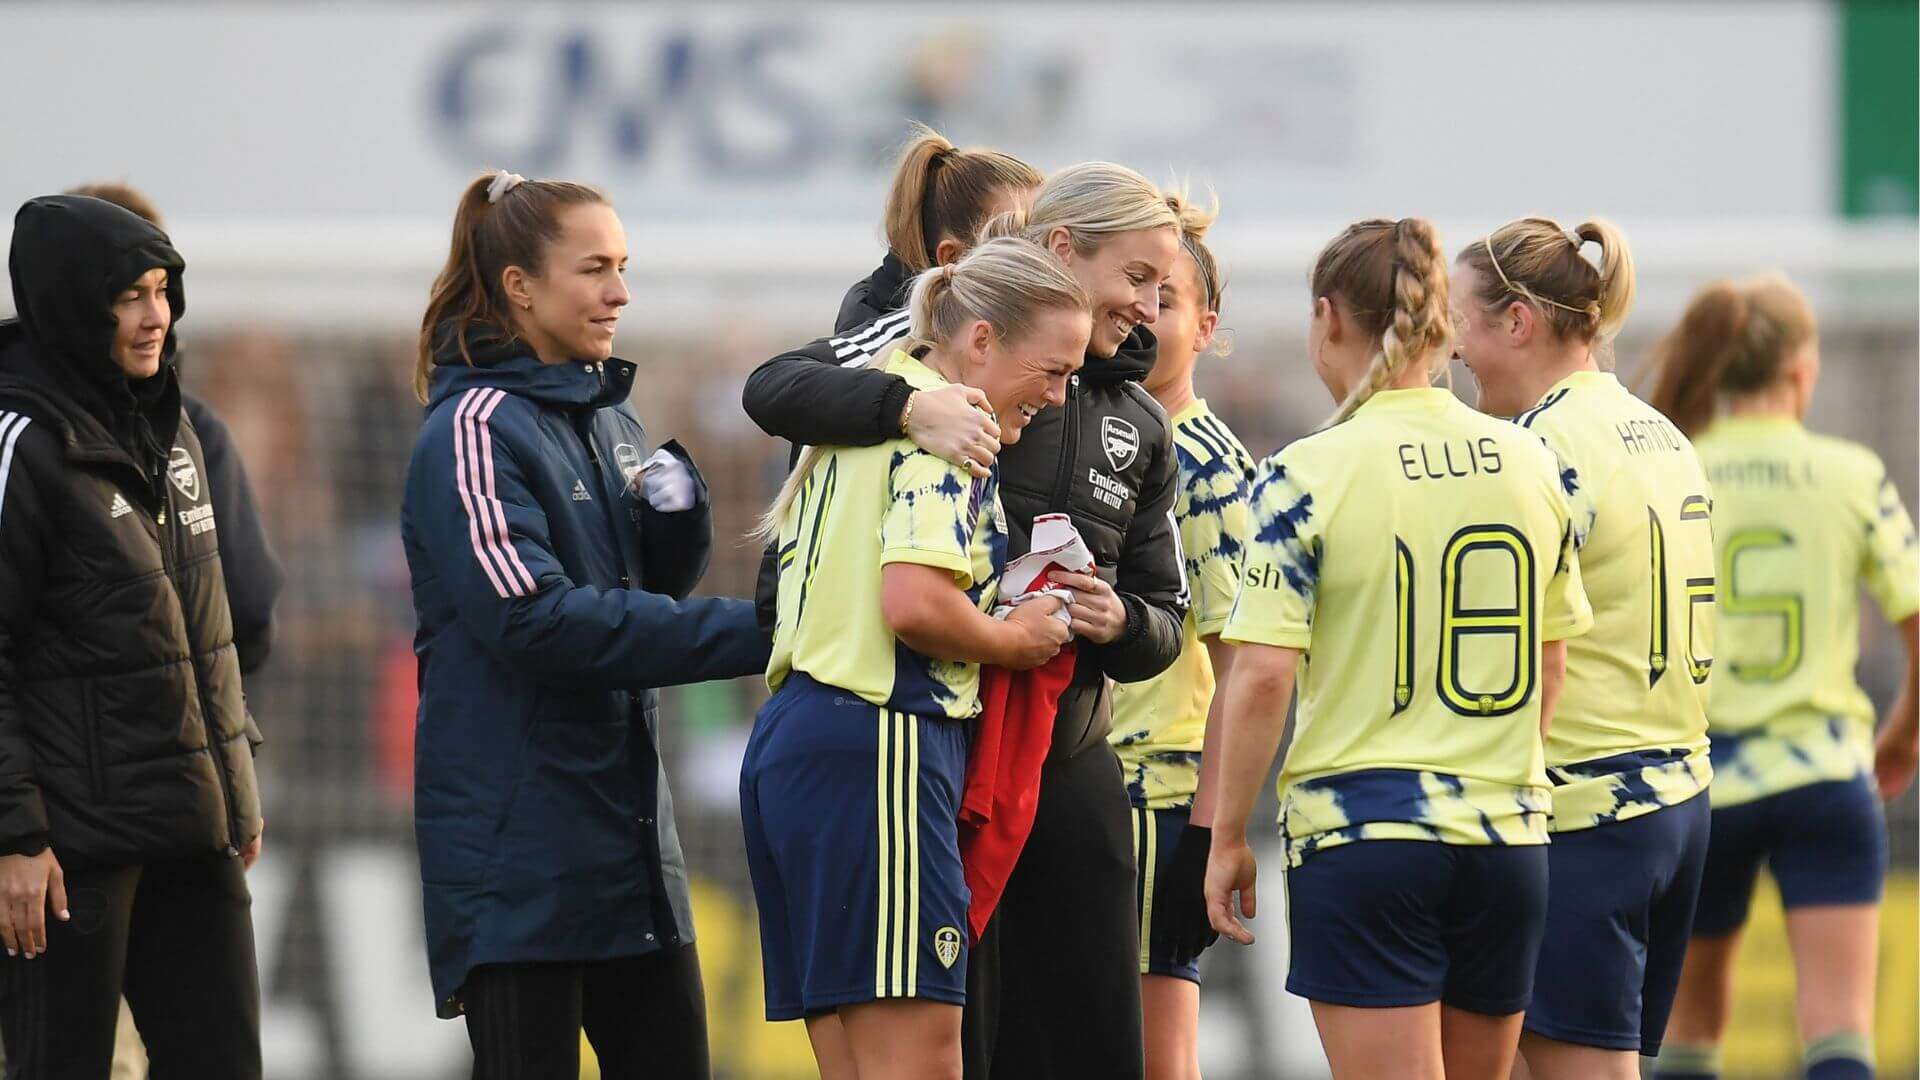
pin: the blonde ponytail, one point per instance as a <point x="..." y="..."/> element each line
<point x="1617" y="286"/>
<point x="1007" y="283"/>
<point x="1536" y="262"/>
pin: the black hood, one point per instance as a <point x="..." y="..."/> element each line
<point x="880" y="293"/>
<point x="71" y="256"/>
<point x="887" y="286"/>
<point x="1130" y="364"/>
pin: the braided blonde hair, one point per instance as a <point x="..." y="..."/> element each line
<point x="1393" y="277"/>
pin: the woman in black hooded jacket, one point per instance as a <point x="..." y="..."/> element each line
<point x="128" y="801"/>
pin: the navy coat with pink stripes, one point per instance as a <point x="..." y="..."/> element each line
<point x="551" y="602"/>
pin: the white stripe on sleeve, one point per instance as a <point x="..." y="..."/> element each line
<point x="11" y="425"/>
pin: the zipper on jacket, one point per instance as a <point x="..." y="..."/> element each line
<point x="1069" y="442"/>
<point x="160" y="516"/>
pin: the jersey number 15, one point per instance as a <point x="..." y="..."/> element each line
<point x="1699" y="590"/>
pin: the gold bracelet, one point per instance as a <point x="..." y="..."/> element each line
<point x="906" y="414"/>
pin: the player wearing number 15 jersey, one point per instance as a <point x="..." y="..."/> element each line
<point x="1415" y="564"/>
<point x="1801" y="522"/>
<point x="1628" y="749"/>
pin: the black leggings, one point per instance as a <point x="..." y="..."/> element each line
<point x="177" y="939"/>
<point x="1053" y="988"/>
<point x="646" y="1016"/>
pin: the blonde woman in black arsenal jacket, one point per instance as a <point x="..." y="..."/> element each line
<point x="1053" y="989"/>
<point x="128" y="803"/>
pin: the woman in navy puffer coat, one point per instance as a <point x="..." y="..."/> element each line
<point x="550" y="558"/>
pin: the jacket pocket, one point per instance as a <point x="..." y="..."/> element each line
<point x="96" y="751"/>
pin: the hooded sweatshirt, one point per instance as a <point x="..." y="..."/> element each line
<point x="124" y="737"/>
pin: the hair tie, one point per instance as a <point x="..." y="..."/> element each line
<point x="1522" y="290"/>
<point x="1580" y="248"/>
<point x="946" y="274"/>
<point x="503" y="182"/>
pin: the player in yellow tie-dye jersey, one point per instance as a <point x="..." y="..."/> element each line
<point x="1414" y="563"/>
<point x="1160" y="725"/>
<point x="1538" y="306"/>
<point x="1802" y="522"/>
<point x="850" y="785"/>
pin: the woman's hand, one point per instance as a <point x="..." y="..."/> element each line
<point x="663" y="480"/>
<point x="1894" y="759"/>
<point x="29" y="885"/>
<point x="1098" y="614"/>
<point x="1230" y="869"/>
<point x="1038" y="633"/>
<point x="251" y="853"/>
<point x="954" y="423"/>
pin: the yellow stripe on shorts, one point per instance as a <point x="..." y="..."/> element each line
<point x="912" y="943"/>
<point x="896" y="960"/>
<point x="884" y="819"/>
<point x="1145" y="854"/>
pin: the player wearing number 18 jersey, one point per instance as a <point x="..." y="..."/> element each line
<point x="1628" y="749"/>
<point x="1801" y="522"/>
<point x="1415" y="563"/>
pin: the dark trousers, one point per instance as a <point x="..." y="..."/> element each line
<point x="646" y="1016"/>
<point x="177" y="939"/>
<point x="1053" y="988"/>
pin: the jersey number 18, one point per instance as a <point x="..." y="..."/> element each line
<point x="1514" y="624"/>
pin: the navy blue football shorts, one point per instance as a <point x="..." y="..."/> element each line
<point x="1823" y="843"/>
<point x="1392" y="923"/>
<point x="851" y="819"/>
<point x="1619" y="913"/>
<point x="1155" y="834"/>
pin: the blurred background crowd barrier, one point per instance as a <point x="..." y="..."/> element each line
<point x="307" y="157"/>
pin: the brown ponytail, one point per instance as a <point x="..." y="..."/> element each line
<point x="939" y="191"/>
<point x="1393" y="277"/>
<point x="123" y="195"/>
<point x="513" y="229"/>
<point x="1734" y="339"/>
